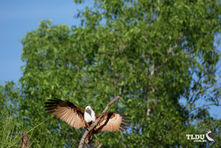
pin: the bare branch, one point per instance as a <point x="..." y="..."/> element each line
<point x="24" y="141"/>
<point x="96" y="122"/>
<point x="99" y="146"/>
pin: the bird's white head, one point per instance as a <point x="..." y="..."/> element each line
<point x="89" y="114"/>
<point x="88" y="107"/>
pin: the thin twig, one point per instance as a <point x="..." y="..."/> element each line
<point x="99" y="146"/>
<point x="37" y="125"/>
<point x="96" y="122"/>
<point x="124" y="145"/>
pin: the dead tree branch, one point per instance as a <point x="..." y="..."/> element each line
<point x="96" y="122"/>
<point x="24" y="141"/>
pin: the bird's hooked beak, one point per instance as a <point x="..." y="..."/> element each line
<point x="88" y="111"/>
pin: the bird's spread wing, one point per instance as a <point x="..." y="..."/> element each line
<point x="112" y="122"/>
<point x="66" y="111"/>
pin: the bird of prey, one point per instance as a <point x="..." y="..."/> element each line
<point x="79" y="118"/>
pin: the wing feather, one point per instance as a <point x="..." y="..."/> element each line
<point x="66" y="111"/>
<point x="112" y="122"/>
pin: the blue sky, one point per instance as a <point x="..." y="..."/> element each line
<point x="20" y="17"/>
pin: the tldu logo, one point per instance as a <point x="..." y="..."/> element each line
<point x="196" y="137"/>
<point x="201" y="137"/>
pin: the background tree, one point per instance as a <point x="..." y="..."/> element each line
<point x="151" y="53"/>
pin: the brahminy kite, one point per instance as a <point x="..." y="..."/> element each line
<point x="78" y="118"/>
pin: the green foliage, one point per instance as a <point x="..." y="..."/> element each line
<point x="10" y="136"/>
<point x="152" y="53"/>
<point x="10" y="126"/>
